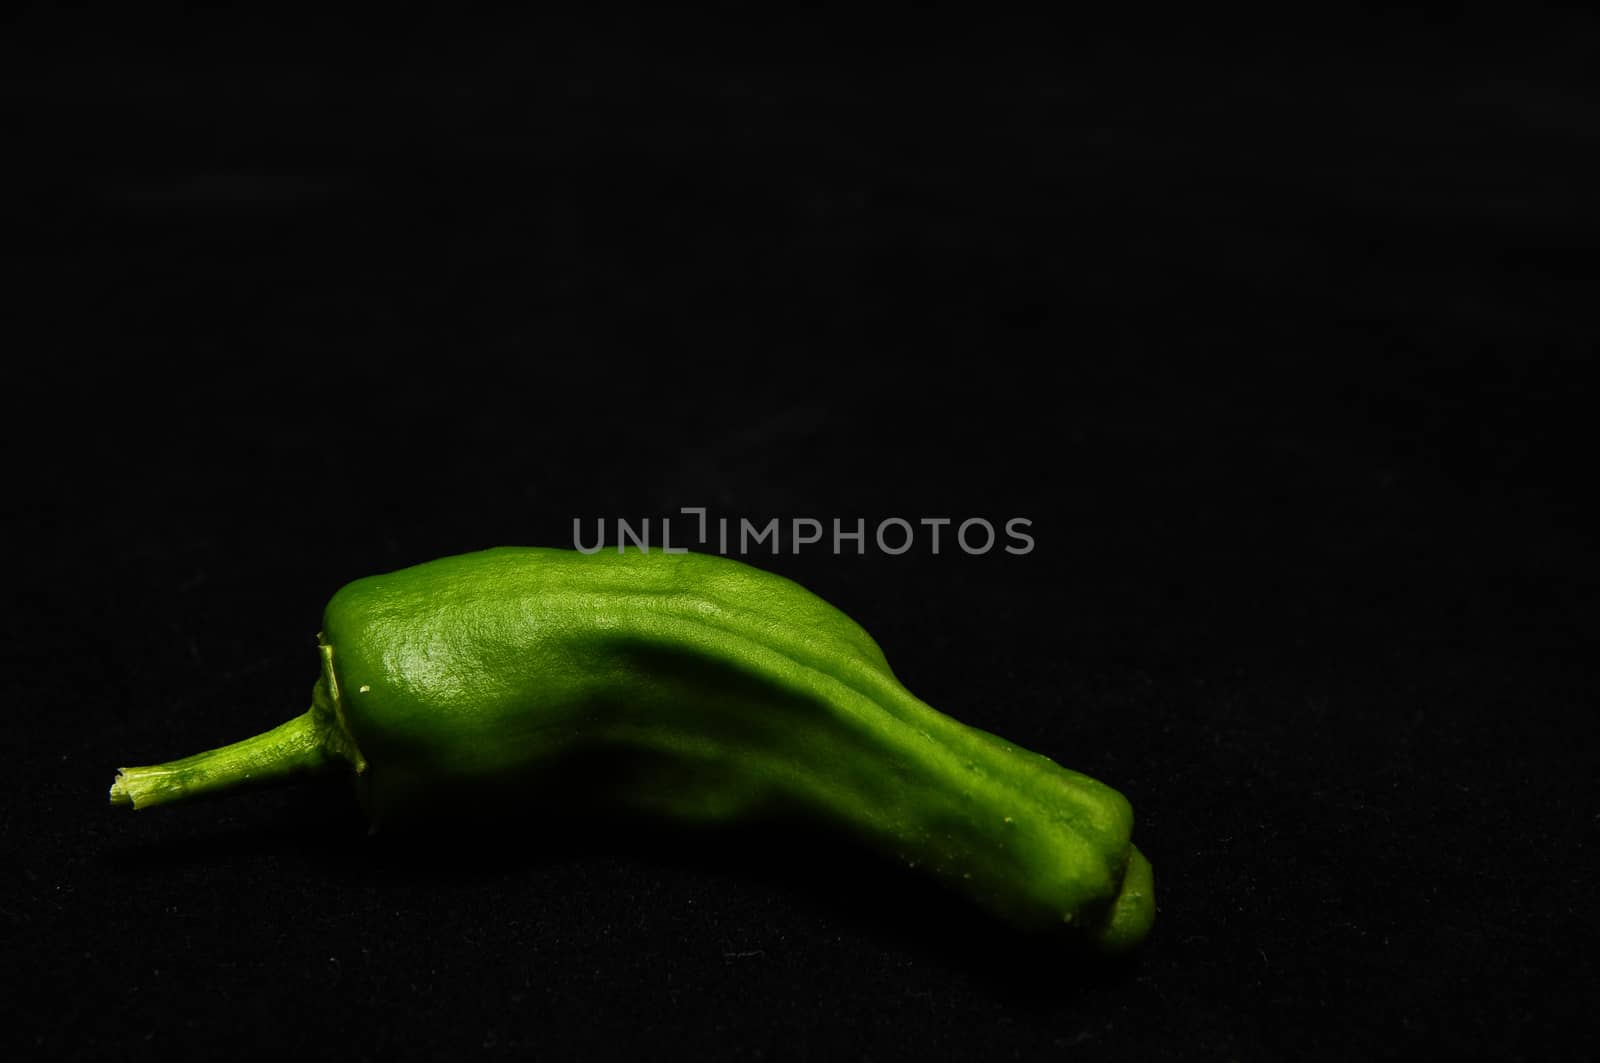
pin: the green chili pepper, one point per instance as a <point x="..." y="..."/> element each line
<point x="687" y="686"/>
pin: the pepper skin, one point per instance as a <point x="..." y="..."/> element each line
<point x="690" y="687"/>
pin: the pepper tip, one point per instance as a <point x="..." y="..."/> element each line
<point x="1134" y="909"/>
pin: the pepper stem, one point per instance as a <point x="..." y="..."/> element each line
<point x="299" y="746"/>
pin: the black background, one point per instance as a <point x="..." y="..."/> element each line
<point x="1273" y="333"/>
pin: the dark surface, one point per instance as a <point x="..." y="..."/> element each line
<point x="1275" y="339"/>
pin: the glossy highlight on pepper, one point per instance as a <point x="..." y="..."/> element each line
<point x="689" y="687"/>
